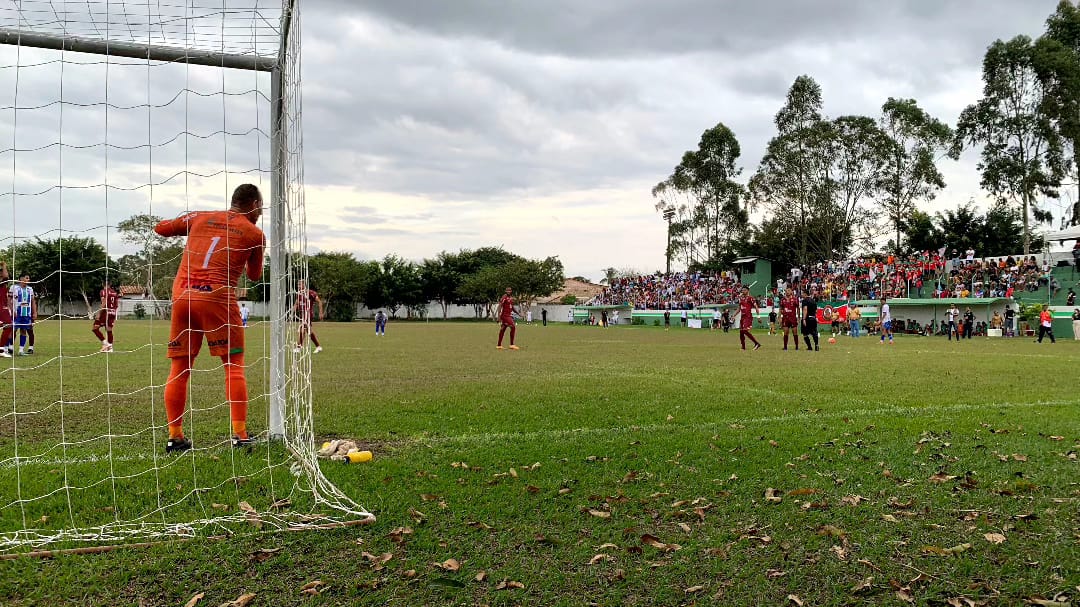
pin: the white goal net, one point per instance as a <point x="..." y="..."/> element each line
<point x="117" y="114"/>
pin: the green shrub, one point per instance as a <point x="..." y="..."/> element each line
<point x="637" y="321"/>
<point x="568" y="300"/>
<point x="656" y="322"/>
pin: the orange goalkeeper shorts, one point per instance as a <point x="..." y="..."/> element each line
<point x="219" y="321"/>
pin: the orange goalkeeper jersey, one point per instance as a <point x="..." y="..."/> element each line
<point x="220" y="245"/>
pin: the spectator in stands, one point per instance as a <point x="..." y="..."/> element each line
<point x="1070" y="299"/>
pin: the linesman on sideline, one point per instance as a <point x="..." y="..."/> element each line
<point x="220" y="245"/>
<point x="809" y="322"/>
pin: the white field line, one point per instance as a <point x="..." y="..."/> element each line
<point x="602" y="430"/>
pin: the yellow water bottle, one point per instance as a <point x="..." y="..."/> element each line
<point x="358" y="457"/>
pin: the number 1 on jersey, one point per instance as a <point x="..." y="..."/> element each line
<point x="213" y="245"/>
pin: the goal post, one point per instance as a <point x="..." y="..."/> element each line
<point x="108" y="488"/>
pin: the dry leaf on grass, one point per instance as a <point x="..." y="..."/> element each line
<point x="398" y="535"/>
<point x="797" y="492"/>
<point x="313" y="587"/>
<point x="194" y="600"/>
<point x="1048" y="603"/>
<point x="598" y="513"/>
<point x="794" y="598"/>
<point x="564" y="490"/>
<point x="246" y="507"/>
<point x="840" y="552"/>
<point x="852" y="500"/>
<point x="652" y="540"/>
<point x="693" y="589"/>
<point x="600" y="557"/>
<point x="479" y="525"/>
<point x="480" y="575"/>
<point x="773" y="496"/>
<point x="938" y="551"/>
<point x="775" y="573"/>
<point x="995" y="538"/>
<point x="607" y="545"/>
<point x="863" y="586"/>
<point x="241" y="601"/>
<point x="281" y="504"/>
<point x="508" y="585"/>
<point x="417" y="516"/>
<point x="448" y="565"/>
<point x="832" y="531"/>
<point x="263" y="554"/>
<point x="941" y="477"/>
<point x="429" y="497"/>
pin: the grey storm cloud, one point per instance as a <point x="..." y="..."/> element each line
<point x="477" y="107"/>
<point x="473" y="99"/>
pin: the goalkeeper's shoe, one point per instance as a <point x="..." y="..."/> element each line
<point x="240" y="442"/>
<point x="178" y="445"/>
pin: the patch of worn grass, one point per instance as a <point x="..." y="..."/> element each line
<point x="635" y="466"/>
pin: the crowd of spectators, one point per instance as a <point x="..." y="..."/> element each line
<point x="929" y="274"/>
<point x="677" y="291"/>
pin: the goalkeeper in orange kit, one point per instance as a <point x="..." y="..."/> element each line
<point x="220" y="245"/>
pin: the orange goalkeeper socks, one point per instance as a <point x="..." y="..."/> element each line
<point x="176" y="390"/>
<point x="237" y="393"/>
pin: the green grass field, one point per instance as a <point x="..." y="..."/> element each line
<point x="627" y="466"/>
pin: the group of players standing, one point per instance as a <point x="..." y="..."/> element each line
<point x="797" y="316"/>
<point x="17" y="314"/>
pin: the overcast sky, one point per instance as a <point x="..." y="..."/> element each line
<point x="540" y="126"/>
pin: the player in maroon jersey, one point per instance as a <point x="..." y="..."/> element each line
<point x="506" y="319"/>
<point x="747" y="309"/>
<point x="789" y="317"/>
<point x="306" y="299"/>
<point x="106" y="316"/>
<point x="5" y="313"/>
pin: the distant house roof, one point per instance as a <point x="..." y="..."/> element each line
<point x="584" y="291"/>
<point x="748" y="259"/>
<point x="126" y="290"/>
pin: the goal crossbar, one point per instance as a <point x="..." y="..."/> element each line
<point x="134" y="50"/>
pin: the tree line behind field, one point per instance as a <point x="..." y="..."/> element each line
<point x="73" y="269"/>
<point x="827" y="188"/>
